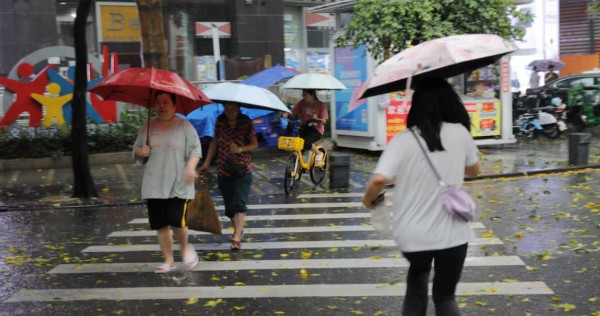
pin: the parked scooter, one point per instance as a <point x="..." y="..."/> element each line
<point x="539" y="122"/>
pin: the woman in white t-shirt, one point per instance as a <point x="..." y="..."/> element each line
<point x="421" y="228"/>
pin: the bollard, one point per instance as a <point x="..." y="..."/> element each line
<point x="579" y="144"/>
<point x="339" y="171"/>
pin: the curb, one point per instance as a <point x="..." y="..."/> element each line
<point x="64" y="162"/>
<point x="532" y="172"/>
<point x="35" y="207"/>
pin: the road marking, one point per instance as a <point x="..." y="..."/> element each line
<point x="275" y="245"/>
<point x="276" y="264"/>
<point x="282" y="217"/>
<point x="267" y="291"/>
<point x="299" y="206"/>
<point x="337" y="195"/>
<point x="265" y="230"/>
<point x="260" y="230"/>
<point x="123" y="176"/>
<point x="144" y="221"/>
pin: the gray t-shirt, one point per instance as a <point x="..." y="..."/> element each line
<point x="170" y="150"/>
<point x="419" y="222"/>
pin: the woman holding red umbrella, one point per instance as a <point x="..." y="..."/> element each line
<point x="172" y="155"/>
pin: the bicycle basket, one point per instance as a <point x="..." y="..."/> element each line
<point x="290" y="143"/>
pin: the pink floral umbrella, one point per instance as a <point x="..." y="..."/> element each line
<point x="443" y="57"/>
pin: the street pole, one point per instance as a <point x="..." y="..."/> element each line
<point x="216" y="49"/>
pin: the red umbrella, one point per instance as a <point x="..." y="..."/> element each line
<point x="137" y="85"/>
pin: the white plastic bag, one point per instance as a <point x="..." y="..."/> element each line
<point x="382" y="217"/>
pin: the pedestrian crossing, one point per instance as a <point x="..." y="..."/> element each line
<point x="311" y="249"/>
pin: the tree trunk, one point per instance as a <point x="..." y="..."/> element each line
<point x="84" y="184"/>
<point x="153" y="35"/>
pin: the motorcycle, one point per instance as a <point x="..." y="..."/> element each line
<point x="533" y="124"/>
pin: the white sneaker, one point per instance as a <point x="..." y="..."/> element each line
<point x="319" y="159"/>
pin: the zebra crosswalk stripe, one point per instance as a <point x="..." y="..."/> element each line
<point x="279" y="217"/>
<point x="275" y="245"/>
<point x="268" y="291"/>
<point x="276" y="264"/>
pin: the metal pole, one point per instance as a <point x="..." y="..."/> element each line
<point x="216" y="48"/>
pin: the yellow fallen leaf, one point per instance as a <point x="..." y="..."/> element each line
<point x="303" y="273"/>
<point x="239" y="308"/>
<point x="306" y="255"/>
<point x="479" y="303"/>
<point x="213" y="303"/>
<point x="105" y="190"/>
<point x="215" y="278"/>
<point x="279" y="313"/>
<point x="509" y="280"/>
<point x="592" y="299"/>
<point x="191" y="301"/>
<point x="239" y="283"/>
<point x="567" y="307"/>
<point x="486" y="234"/>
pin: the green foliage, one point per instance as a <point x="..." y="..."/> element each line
<point x="390" y="28"/>
<point x="594" y="7"/>
<point x="56" y="142"/>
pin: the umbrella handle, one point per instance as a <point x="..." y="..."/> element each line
<point x="148" y="125"/>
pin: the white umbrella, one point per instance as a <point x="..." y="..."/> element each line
<point x="248" y="96"/>
<point x="314" y="81"/>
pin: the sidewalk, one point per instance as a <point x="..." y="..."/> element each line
<point x="117" y="182"/>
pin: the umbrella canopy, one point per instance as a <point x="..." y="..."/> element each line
<point x="248" y="96"/>
<point x="443" y="57"/>
<point x="544" y="64"/>
<point x="136" y="85"/>
<point x="314" y="81"/>
<point x="270" y="76"/>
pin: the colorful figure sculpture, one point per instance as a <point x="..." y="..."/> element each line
<point x="66" y="87"/>
<point x="23" y="90"/>
<point x="53" y="104"/>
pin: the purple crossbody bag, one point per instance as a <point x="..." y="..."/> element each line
<point x="454" y="199"/>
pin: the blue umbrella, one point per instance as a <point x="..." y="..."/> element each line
<point x="268" y="77"/>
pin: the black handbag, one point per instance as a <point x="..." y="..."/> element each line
<point x="235" y="168"/>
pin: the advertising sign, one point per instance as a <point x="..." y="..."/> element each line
<point x="485" y="115"/>
<point x="118" y="22"/>
<point x="351" y="69"/>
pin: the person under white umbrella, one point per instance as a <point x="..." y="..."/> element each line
<point x="234" y="140"/>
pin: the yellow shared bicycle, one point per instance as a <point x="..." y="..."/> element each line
<point x="296" y="165"/>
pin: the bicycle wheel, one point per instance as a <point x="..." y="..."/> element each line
<point x="317" y="173"/>
<point x="288" y="179"/>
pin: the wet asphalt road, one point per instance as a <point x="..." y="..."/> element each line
<point x="537" y="237"/>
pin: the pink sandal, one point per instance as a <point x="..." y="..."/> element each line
<point x="193" y="262"/>
<point x="164" y="268"/>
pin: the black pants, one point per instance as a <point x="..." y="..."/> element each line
<point x="448" y="267"/>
